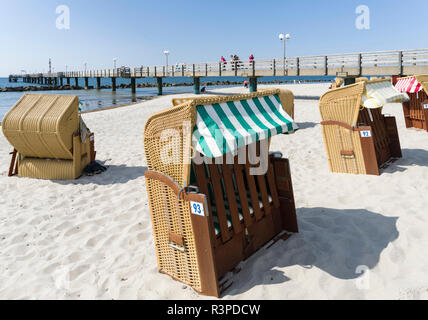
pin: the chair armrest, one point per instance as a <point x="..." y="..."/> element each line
<point x="159" y="187"/>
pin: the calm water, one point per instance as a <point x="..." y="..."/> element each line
<point x="96" y="99"/>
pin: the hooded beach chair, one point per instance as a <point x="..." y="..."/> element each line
<point x="50" y="139"/>
<point x="209" y="212"/>
<point x="358" y="138"/>
<point x="416" y="109"/>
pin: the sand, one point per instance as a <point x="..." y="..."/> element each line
<point x="92" y="238"/>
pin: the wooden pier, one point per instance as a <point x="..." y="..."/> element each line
<point x="348" y="66"/>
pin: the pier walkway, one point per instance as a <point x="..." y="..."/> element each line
<point x="348" y="66"/>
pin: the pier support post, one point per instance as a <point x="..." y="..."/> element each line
<point x="86" y="82"/>
<point x="349" y="81"/>
<point x="113" y="84"/>
<point x="76" y="80"/>
<point x="61" y="81"/>
<point x="68" y="81"/>
<point x="56" y="81"/>
<point x="98" y="83"/>
<point x="253" y="84"/>
<point x="159" y="80"/>
<point x="196" y="85"/>
<point x="133" y="86"/>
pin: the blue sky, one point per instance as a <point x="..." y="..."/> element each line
<point x="138" y="31"/>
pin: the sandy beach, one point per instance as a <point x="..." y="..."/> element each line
<point x="92" y="238"/>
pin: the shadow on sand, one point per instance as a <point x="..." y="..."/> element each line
<point x="307" y="125"/>
<point x="114" y="174"/>
<point x="411" y="157"/>
<point x="335" y="241"/>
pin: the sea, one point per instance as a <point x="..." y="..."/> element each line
<point x="93" y="99"/>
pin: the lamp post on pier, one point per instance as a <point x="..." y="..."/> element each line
<point x="113" y="79"/>
<point x="284" y="39"/>
<point x="166" y="52"/>
<point x="114" y="64"/>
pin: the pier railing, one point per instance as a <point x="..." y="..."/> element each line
<point x="352" y="64"/>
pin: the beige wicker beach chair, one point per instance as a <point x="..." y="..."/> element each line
<point x="209" y="215"/>
<point x="45" y="131"/>
<point x="359" y="139"/>
<point x="416" y="109"/>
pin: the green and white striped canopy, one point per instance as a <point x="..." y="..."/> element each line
<point x="224" y="128"/>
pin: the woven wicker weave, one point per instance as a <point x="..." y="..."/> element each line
<point x="342" y="104"/>
<point x="41" y="128"/>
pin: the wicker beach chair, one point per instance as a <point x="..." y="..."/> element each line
<point x="46" y="132"/>
<point x="416" y="109"/>
<point x="359" y="139"/>
<point x="211" y="214"/>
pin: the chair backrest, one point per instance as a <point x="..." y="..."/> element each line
<point x="42" y="126"/>
<point x="286" y="97"/>
<point x="342" y="104"/>
<point x="423" y="80"/>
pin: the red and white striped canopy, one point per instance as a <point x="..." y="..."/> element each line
<point x="408" y="85"/>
